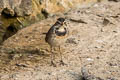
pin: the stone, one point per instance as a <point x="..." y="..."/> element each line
<point x="30" y="11"/>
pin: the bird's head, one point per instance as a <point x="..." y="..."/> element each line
<point x="61" y="20"/>
<point x="61" y="30"/>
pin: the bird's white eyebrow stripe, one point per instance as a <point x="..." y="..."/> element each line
<point x="58" y="21"/>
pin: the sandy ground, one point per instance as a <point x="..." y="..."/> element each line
<point x="91" y="52"/>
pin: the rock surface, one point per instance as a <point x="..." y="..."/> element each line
<point x="20" y="13"/>
<point x="91" y="52"/>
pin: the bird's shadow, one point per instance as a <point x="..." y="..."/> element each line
<point x="26" y="53"/>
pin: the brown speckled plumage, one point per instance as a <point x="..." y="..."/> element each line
<point x="57" y="35"/>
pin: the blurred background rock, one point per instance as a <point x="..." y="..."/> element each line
<point x="17" y="14"/>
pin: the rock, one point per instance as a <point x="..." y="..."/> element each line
<point x="98" y="52"/>
<point x="114" y="0"/>
<point x="1" y="5"/>
<point x="30" y="11"/>
<point x="87" y="76"/>
<point x="24" y="9"/>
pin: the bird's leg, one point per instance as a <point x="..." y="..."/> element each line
<point x="61" y="60"/>
<point x="52" y="57"/>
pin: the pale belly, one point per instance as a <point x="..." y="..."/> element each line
<point x="55" y="42"/>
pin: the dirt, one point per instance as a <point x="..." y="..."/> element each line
<point x="92" y="51"/>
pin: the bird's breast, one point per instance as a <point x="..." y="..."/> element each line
<point x="61" y="32"/>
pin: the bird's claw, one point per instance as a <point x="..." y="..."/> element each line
<point x="53" y="64"/>
<point x="62" y="63"/>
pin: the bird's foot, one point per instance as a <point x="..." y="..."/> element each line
<point x="53" y="64"/>
<point x="62" y="63"/>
